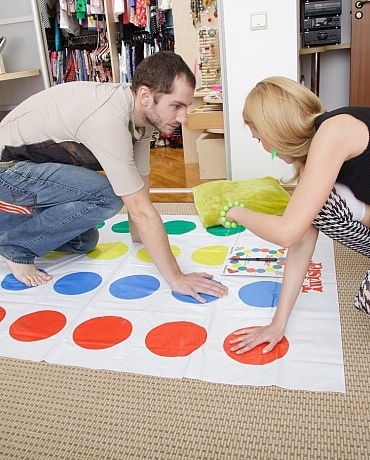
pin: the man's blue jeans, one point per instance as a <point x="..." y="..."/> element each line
<point x="67" y="202"/>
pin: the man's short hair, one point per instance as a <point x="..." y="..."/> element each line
<point x="159" y="70"/>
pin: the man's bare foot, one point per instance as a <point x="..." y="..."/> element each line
<point x="27" y="273"/>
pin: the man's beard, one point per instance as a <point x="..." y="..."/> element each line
<point x="152" y="118"/>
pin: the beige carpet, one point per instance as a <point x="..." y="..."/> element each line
<point x="60" y="412"/>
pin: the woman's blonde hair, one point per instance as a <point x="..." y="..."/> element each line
<point x="284" y="113"/>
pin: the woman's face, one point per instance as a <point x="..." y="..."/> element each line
<point x="269" y="148"/>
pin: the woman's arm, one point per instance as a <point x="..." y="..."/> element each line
<point x="337" y="140"/>
<point x="297" y="262"/>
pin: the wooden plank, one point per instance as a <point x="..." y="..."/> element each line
<point x="323" y="48"/>
<point x="21" y="74"/>
<point x="206" y="117"/>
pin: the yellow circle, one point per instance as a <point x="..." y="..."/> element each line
<point x="210" y="255"/>
<point x="143" y="255"/>
<point x="108" y="251"/>
<point x="56" y="255"/>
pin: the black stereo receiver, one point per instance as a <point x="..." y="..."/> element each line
<point x="323" y="7"/>
<point x="321" y="22"/>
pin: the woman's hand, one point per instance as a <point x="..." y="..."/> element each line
<point x="248" y="338"/>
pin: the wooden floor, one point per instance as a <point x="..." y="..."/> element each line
<point x="168" y="170"/>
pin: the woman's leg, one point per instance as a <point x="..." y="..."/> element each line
<point x="66" y="201"/>
<point x="336" y="221"/>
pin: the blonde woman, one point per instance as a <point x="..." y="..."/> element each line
<point x="330" y="153"/>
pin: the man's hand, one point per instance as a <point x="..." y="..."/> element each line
<point x="195" y="283"/>
<point x="250" y="337"/>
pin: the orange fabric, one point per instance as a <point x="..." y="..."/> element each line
<point x="102" y="332"/>
<point x="179" y="338"/>
<point x="14" y="208"/>
<point x="38" y="325"/>
<point x="256" y="356"/>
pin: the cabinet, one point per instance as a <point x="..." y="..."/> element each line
<point x="315" y="55"/>
<point x="327" y="67"/>
<point x="207" y="122"/>
<point x="211" y="154"/>
<point x="24" y="57"/>
<point x="207" y="116"/>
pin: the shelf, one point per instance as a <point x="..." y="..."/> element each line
<point x="21" y="74"/>
<point x="205" y="117"/>
<point x="315" y="53"/>
<point x="321" y="49"/>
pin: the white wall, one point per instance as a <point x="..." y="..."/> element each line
<point x="249" y="56"/>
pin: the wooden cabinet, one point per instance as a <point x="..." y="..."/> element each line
<point x="24" y="57"/>
<point x="207" y="116"/>
<point x="207" y="123"/>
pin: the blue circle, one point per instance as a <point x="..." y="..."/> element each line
<point x="77" y="283"/>
<point x="134" y="287"/>
<point x="190" y="299"/>
<point x="262" y="294"/>
<point x="12" y="284"/>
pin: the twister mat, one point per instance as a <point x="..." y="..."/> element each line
<point x="111" y="309"/>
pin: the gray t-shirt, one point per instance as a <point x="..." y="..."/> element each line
<point x="81" y="123"/>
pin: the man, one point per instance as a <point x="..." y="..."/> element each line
<point x="53" y="145"/>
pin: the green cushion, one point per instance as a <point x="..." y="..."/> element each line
<point x="264" y="194"/>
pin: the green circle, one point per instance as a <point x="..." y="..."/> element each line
<point x="277" y="267"/>
<point x="121" y="227"/>
<point x="179" y="227"/>
<point x="220" y="230"/>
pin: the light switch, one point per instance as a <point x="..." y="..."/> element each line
<point x="258" y="20"/>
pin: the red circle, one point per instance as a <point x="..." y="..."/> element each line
<point x="255" y="356"/>
<point x="179" y="338"/>
<point x="38" y="325"/>
<point x="102" y="332"/>
<point x="2" y="313"/>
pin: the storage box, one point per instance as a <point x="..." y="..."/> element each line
<point x="211" y="153"/>
<point x="206" y="116"/>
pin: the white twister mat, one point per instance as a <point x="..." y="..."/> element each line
<point x="112" y="310"/>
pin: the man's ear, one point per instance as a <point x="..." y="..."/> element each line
<point x="144" y="95"/>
